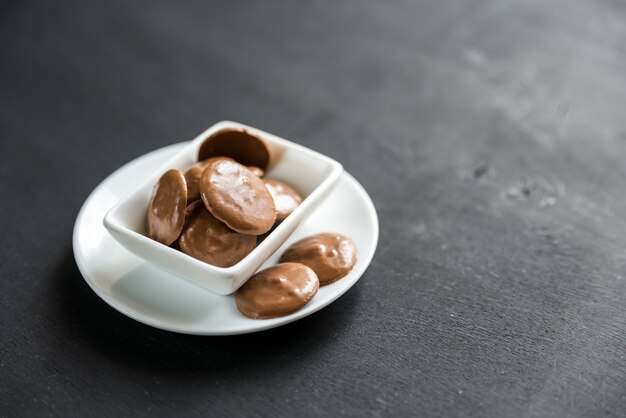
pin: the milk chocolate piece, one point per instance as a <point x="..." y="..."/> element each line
<point x="193" y="181"/>
<point x="208" y="239"/>
<point x="192" y="175"/>
<point x="166" y="211"/>
<point x="330" y="255"/>
<point x="238" y="144"/>
<point x="286" y="199"/>
<point x="277" y="291"/>
<point x="256" y="170"/>
<point x="234" y="195"/>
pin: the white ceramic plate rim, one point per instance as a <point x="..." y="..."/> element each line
<point x="259" y="325"/>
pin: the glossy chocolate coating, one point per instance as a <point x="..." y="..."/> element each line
<point x="193" y="181"/>
<point x="331" y="255"/>
<point x="192" y="175"/>
<point x="237" y="197"/>
<point x="166" y="211"/>
<point x="286" y="199"/>
<point x="256" y="170"/>
<point x="238" y="144"/>
<point x="208" y="239"/>
<point x="277" y="291"/>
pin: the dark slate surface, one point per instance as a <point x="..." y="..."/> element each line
<point x="491" y="136"/>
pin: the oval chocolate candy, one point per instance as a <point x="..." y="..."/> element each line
<point x="208" y="239"/>
<point x="277" y="291"/>
<point x="286" y="199"/>
<point x="238" y="144"/>
<point x="332" y="256"/>
<point x="237" y="197"/>
<point x="166" y="210"/>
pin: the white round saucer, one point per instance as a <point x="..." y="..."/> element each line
<point x="155" y="297"/>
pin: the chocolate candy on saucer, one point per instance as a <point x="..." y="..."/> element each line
<point x="330" y="255"/>
<point x="286" y="199"/>
<point x="238" y="144"/>
<point x="166" y="211"/>
<point x="277" y="291"/>
<point x="208" y="239"/>
<point x="234" y="195"/>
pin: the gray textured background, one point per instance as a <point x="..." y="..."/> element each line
<point x="491" y="136"/>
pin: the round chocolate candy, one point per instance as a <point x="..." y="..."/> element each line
<point x="166" y="211"/>
<point x="208" y="239"/>
<point x="286" y="199"/>
<point x="238" y="144"/>
<point x="330" y="255"/>
<point x="234" y="195"/>
<point x="277" y="291"/>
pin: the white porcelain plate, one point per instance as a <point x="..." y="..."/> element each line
<point x="155" y="297"/>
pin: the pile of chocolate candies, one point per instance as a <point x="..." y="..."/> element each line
<point x="220" y="207"/>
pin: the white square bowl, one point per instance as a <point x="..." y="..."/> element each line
<point x="312" y="174"/>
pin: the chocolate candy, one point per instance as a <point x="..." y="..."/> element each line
<point x="234" y="195"/>
<point x="208" y="239"/>
<point x="286" y="199"/>
<point x="330" y="255"/>
<point x="238" y="144"/>
<point x="277" y="291"/>
<point x="166" y="211"/>
<point x="192" y="175"/>
<point x="256" y="170"/>
<point x="193" y="181"/>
